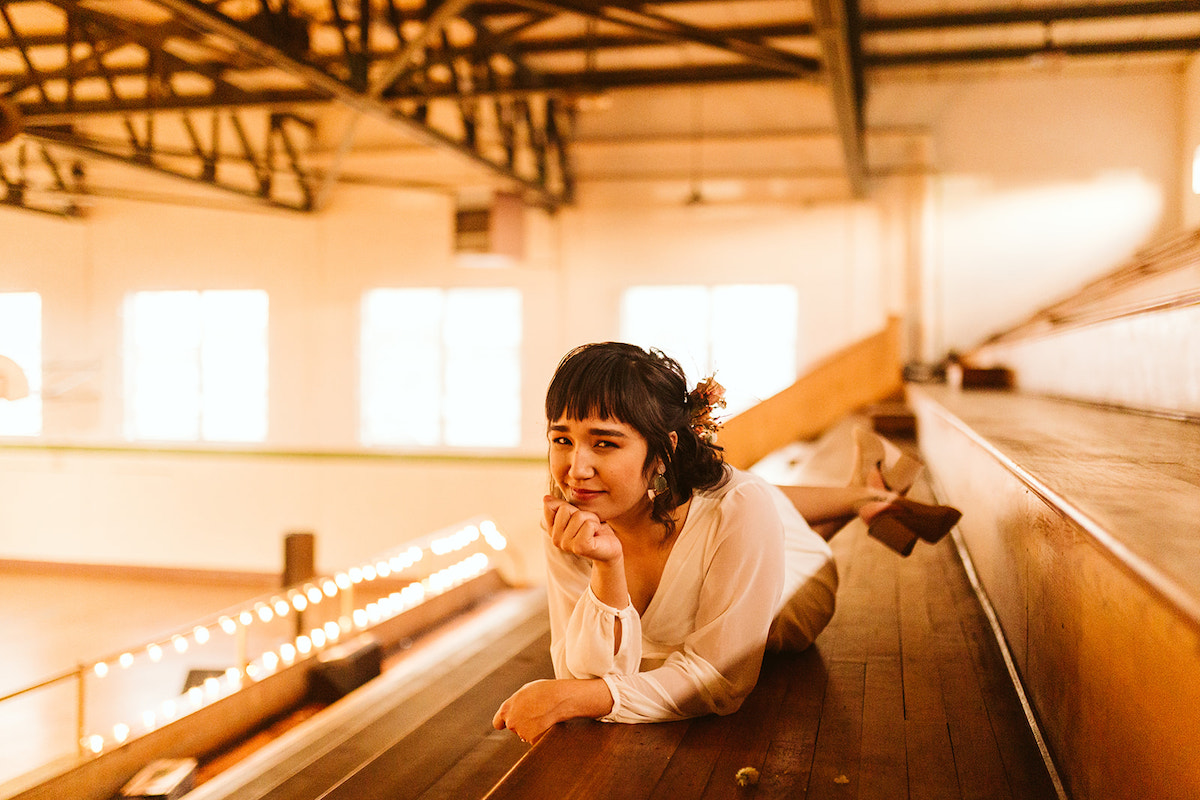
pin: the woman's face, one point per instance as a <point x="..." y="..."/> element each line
<point x="599" y="466"/>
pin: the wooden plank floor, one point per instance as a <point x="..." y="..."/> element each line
<point x="904" y="695"/>
<point x="56" y="617"/>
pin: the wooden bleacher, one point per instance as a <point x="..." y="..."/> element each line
<point x="421" y="730"/>
<point x="1084" y="526"/>
<point x="905" y="694"/>
<point x="424" y="723"/>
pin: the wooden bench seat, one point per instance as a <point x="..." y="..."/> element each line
<point x="905" y="694"/>
<point x="1083" y="524"/>
<point x="421" y="730"/>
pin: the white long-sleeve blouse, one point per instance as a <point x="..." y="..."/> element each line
<point x="699" y="645"/>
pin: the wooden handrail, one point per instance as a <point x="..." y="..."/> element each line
<point x="865" y="372"/>
<point x="1163" y="275"/>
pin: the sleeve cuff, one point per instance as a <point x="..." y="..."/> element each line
<point x="616" y="612"/>
<point x="612" y="716"/>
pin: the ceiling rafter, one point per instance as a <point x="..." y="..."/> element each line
<point x="1045" y="14"/>
<point x="969" y="55"/>
<point x="664" y="28"/>
<point x="249" y="172"/>
<point x="251" y="168"/>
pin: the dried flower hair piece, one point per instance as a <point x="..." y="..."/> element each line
<point x="707" y="396"/>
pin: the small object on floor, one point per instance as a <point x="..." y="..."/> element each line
<point x="746" y="776"/>
<point x="841" y="779"/>
<point x="164" y="779"/>
<point x="197" y="677"/>
<point x="894" y="419"/>
<point x="962" y="375"/>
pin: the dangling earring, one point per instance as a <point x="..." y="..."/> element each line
<point x="659" y="485"/>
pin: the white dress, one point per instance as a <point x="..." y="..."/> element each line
<point x="743" y="560"/>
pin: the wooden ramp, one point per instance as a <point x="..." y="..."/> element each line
<point x="905" y="695"/>
<point x="867" y="371"/>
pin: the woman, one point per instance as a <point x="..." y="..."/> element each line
<point x="670" y="572"/>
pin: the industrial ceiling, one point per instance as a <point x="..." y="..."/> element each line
<point x="280" y="102"/>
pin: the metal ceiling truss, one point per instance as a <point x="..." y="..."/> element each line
<point x="263" y="163"/>
<point x="364" y="76"/>
<point x="519" y="136"/>
<point x="224" y="92"/>
<point x="38" y="182"/>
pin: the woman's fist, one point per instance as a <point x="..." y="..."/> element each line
<point x="579" y="532"/>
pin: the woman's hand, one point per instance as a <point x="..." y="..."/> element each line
<point x="537" y="706"/>
<point x="583" y="534"/>
<point x="580" y="532"/>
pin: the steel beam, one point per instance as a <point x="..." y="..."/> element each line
<point x="1045" y="14"/>
<point x="839" y="41"/>
<point x="668" y="29"/>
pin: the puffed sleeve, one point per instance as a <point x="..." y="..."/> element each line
<point x="583" y="629"/>
<point x="718" y="663"/>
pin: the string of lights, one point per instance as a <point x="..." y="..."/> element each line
<point x="483" y="538"/>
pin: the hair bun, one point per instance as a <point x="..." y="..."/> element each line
<point x="701" y="402"/>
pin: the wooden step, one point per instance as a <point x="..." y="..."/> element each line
<point x="1082" y="523"/>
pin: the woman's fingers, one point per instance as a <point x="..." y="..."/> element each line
<point x="550" y="505"/>
<point x="569" y="525"/>
<point x="523" y="713"/>
<point x="579" y="532"/>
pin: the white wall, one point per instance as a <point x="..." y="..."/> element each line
<point x="832" y="253"/>
<point x="229" y="510"/>
<point x="1040" y="180"/>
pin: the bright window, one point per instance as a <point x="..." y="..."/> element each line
<point x="21" y="341"/>
<point x="1196" y="171"/>
<point x="196" y="366"/>
<point x="746" y="334"/>
<point x="441" y="367"/>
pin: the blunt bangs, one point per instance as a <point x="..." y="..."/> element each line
<point x="600" y="383"/>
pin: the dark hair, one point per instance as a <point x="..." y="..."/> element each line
<point x="647" y="390"/>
